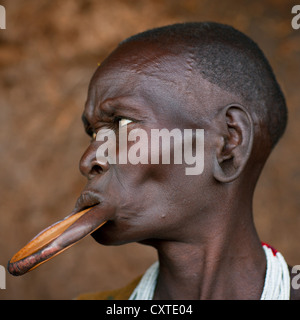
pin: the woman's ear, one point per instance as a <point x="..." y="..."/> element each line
<point x="235" y="139"/>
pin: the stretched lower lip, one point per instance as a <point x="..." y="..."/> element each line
<point x="55" y="239"/>
<point x="87" y="199"/>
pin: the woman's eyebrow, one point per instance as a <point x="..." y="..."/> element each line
<point x="112" y="104"/>
<point x="124" y="105"/>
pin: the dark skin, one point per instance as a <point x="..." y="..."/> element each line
<point x="202" y="225"/>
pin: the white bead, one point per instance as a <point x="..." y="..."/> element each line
<point x="276" y="286"/>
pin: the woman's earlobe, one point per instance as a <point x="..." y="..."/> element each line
<point x="234" y="143"/>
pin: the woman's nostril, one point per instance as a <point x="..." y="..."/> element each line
<point x="96" y="169"/>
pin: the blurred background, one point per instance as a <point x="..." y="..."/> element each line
<point x="48" y="53"/>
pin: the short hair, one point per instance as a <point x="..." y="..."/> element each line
<point x="231" y="60"/>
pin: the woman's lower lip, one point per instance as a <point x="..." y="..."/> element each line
<point x="86" y="200"/>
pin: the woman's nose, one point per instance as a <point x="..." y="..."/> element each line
<point x="91" y="166"/>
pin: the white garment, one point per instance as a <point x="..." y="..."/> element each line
<point x="276" y="286"/>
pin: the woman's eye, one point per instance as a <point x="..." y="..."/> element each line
<point x="120" y="121"/>
<point x="123" y="122"/>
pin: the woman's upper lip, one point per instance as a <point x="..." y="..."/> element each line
<point x="87" y="199"/>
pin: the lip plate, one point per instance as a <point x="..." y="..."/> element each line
<point x="22" y="262"/>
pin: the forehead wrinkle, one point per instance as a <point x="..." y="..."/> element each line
<point x="173" y="66"/>
<point x="122" y="84"/>
<point x="126" y="73"/>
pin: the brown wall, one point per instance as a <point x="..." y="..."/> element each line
<point x="48" y="53"/>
